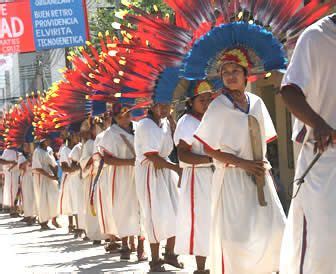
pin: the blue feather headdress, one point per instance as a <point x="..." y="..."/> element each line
<point x="264" y="51"/>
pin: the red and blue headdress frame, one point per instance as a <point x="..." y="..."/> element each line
<point x="261" y="49"/>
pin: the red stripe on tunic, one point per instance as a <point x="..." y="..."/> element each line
<point x="192" y="208"/>
<point x="11" y="189"/>
<point x="150" y="200"/>
<point x="113" y="183"/>
<point x="62" y="194"/>
<point x="101" y="210"/>
<point x="270" y="140"/>
<point x="203" y="142"/>
<point x="304" y="244"/>
<point x="223" y="265"/>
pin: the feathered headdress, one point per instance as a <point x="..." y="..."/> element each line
<point x="19" y="123"/>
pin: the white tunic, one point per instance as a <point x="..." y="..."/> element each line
<point x="309" y="243"/>
<point x="77" y="187"/>
<point x="46" y="189"/>
<point x="194" y="209"/>
<point x="27" y="186"/>
<point x="92" y="224"/>
<point x="245" y="237"/>
<point x="66" y="203"/>
<point x="103" y="191"/>
<point x="11" y="183"/>
<point x="120" y="188"/>
<point x="156" y="189"/>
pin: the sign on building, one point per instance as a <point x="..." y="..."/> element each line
<point x="35" y="25"/>
<point x="16" y="29"/>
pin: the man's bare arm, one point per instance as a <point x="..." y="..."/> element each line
<point x="297" y="104"/>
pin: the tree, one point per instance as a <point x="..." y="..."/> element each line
<point x="102" y="20"/>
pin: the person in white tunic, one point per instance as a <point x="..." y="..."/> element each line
<point x="245" y="236"/>
<point x="1" y="187"/>
<point x="45" y="183"/>
<point x="77" y="185"/>
<point x="66" y="205"/>
<point x="102" y="196"/>
<point x="9" y="160"/>
<point x="117" y="148"/>
<point x="308" y="90"/>
<point x="86" y="162"/>
<point x="156" y="183"/>
<point x="27" y="183"/>
<point x="194" y="208"/>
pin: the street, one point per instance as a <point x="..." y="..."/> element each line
<point x="26" y="249"/>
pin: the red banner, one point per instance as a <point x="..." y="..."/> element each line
<point x="16" y="29"/>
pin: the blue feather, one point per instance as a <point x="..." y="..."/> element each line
<point x="228" y="36"/>
<point x="166" y="85"/>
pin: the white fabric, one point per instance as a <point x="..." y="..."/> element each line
<point x="117" y="191"/>
<point x="310" y="249"/>
<point x="244" y="236"/>
<point x="11" y="183"/>
<point x="91" y="222"/>
<point x="46" y="189"/>
<point x="77" y="187"/>
<point x="312" y="69"/>
<point x="156" y="189"/>
<point x="27" y="186"/>
<point x="194" y="208"/>
<point x="66" y="204"/>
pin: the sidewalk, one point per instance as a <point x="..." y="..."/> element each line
<point x="25" y="249"/>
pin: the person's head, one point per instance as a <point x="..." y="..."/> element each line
<point x="108" y="119"/>
<point x="155" y="111"/>
<point x="64" y="135"/>
<point x="26" y="148"/>
<point x="86" y="130"/>
<point x="75" y="138"/>
<point x="165" y="110"/>
<point x="46" y="142"/>
<point x="234" y="66"/>
<point x="123" y="119"/>
<point x="234" y="76"/>
<point x="121" y="115"/>
<point x="199" y="104"/>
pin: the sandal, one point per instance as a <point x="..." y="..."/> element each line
<point x="112" y="247"/>
<point x="171" y="259"/>
<point x="125" y="254"/>
<point x="71" y="229"/>
<point x="142" y="257"/>
<point x="157" y="266"/>
<point x="56" y="224"/>
<point x="207" y="271"/>
<point x="45" y="227"/>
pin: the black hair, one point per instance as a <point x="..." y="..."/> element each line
<point x="187" y="107"/>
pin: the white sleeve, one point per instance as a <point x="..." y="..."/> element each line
<point x="36" y="162"/>
<point x="51" y="160"/>
<point x="209" y="132"/>
<point x="184" y="131"/>
<point x="75" y="154"/>
<point x="151" y="136"/>
<point x="64" y="157"/>
<point x="300" y="70"/>
<point x="9" y="155"/>
<point x="21" y="159"/>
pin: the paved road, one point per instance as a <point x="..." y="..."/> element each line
<point x="25" y="249"/>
